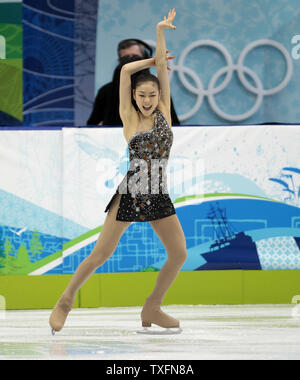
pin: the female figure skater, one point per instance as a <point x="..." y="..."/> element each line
<point x="149" y="135"/>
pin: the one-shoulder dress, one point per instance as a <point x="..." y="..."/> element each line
<point x="144" y="191"/>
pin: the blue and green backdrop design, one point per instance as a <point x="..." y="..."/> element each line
<point x="47" y="77"/>
<point x="60" y="52"/>
<point x="48" y="62"/>
<point x="239" y="211"/>
<point x="11" y="64"/>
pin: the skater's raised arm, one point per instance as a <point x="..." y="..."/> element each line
<point x="126" y="107"/>
<point x="162" y="64"/>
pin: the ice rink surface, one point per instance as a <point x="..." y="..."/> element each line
<point x="209" y="332"/>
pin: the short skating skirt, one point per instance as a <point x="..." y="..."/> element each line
<point x="143" y="207"/>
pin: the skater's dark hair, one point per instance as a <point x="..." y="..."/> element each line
<point x="142" y="77"/>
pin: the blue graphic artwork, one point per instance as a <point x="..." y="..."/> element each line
<point x="48" y="62"/>
<point x="289" y="187"/>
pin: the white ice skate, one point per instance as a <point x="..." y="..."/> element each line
<point x="160" y="331"/>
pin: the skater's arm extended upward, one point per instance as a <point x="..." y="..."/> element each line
<point x="162" y="63"/>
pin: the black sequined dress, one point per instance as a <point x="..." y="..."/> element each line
<point x="144" y="192"/>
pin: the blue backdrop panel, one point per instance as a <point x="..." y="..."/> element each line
<point x="236" y="62"/>
<point x="48" y="62"/>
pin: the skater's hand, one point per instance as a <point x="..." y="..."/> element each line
<point x="167" y="22"/>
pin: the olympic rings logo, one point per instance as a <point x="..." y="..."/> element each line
<point x="199" y="90"/>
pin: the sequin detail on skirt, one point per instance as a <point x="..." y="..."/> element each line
<point x="144" y="193"/>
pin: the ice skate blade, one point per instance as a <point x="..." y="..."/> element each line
<point x="53" y="332"/>
<point x="167" y="331"/>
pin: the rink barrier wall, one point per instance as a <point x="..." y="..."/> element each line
<point x="130" y="289"/>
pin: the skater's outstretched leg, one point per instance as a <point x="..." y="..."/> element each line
<point x="170" y="232"/>
<point x="108" y="240"/>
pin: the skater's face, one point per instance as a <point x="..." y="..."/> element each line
<point x="147" y="96"/>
